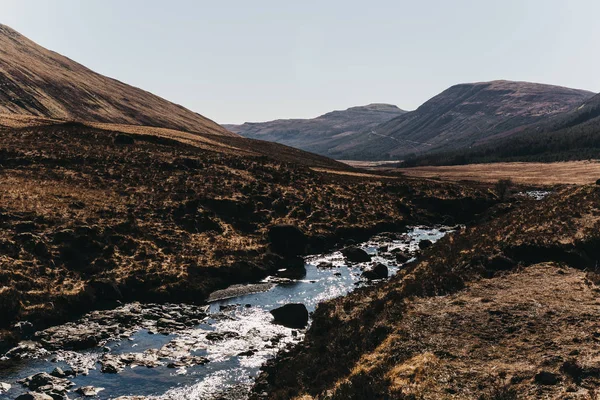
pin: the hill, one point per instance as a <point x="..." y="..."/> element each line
<point x="574" y="135"/>
<point x="37" y="82"/>
<point x="462" y="116"/>
<point x="321" y="134"/>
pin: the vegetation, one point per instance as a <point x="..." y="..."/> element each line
<point x="89" y="216"/>
<point x="509" y="295"/>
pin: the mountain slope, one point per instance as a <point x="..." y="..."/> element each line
<point x="38" y="82"/>
<point x="461" y="116"/>
<point x="319" y="134"/>
<point x="570" y="136"/>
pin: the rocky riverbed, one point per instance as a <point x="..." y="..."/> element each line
<point x="180" y="351"/>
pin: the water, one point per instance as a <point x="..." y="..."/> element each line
<point x="236" y="337"/>
<point x="535" y="194"/>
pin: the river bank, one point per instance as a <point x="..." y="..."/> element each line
<point x="178" y="351"/>
<point x="506" y="308"/>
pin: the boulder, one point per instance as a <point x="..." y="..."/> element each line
<point x="292" y="315"/>
<point x="325" y="265"/>
<point x="287" y="240"/>
<point x="45" y="380"/>
<point x="401" y="257"/>
<point x="546" y="378"/>
<point x="34" y="396"/>
<point x="291" y="273"/>
<point x="4" y="387"/>
<point x="58" y="373"/>
<point x="356" y="254"/>
<point x="88" y="391"/>
<point x="424" y="244"/>
<point x="380" y="271"/>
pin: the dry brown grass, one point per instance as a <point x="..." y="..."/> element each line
<point x="352" y="173"/>
<point x="169" y="216"/>
<point x="559" y="173"/>
<point x="374" y="342"/>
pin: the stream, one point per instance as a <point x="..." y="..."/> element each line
<point x="178" y="351"/>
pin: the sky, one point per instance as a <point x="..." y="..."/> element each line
<point x="235" y="61"/>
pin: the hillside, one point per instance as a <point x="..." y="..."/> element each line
<point x="504" y="309"/>
<point x="460" y="117"/>
<point x="319" y="135"/>
<point x="37" y="82"/>
<point x="570" y="136"/>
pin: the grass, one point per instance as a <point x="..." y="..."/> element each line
<point x="560" y="173"/>
<point x="85" y="222"/>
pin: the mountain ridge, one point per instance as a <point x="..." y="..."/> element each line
<point x="462" y="115"/>
<point x="321" y="133"/>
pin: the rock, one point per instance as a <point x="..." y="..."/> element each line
<point x="325" y="265"/>
<point x="292" y="273"/>
<point x="111" y="367"/>
<point x="380" y="271"/>
<point x="24" y="327"/>
<point x="572" y="369"/>
<point x="218" y="336"/>
<point x="4" y="387"/>
<point x="546" y="378"/>
<point x="248" y="353"/>
<point x="42" y="379"/>
<point x="58" y="373"/>
<point x="124" y="139"/>
<point x="383" y="249"/>
<point x="424" y="244"/>
<point x="401" y="257"/>
<point x="34" y="396"/>
<point x="291" y="315"/>
<point x="598" y="182"/>
<point x="88" y="391"/>
<point x="188" y="361"/>
<point x="355" y="254"/>
<point x="287" y="240"/>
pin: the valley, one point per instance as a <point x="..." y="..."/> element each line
<point x="149" y="253"/>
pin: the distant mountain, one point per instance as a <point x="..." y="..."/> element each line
<point x="320" y="134"/>
<point x="574" y="135"/>
<point x="37" y="82"/>
<point x="460" y="117"/>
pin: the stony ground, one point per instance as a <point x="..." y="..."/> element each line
<point x="506" y="309"/>
<point x="89" y="216"/>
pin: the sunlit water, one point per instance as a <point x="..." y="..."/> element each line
<point x="249" y="337"/>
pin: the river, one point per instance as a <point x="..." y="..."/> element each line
<point x="190" y="352"/>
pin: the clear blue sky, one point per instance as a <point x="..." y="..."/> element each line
<point x="236" y="61"/>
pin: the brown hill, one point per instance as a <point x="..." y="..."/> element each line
<point x="37" y="82"/>
<point x="574" y="135"/>
<point x="460" y="117"/>
<point x="320" y="134"/>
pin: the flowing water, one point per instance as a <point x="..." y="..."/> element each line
<point x="221" y="354"/>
